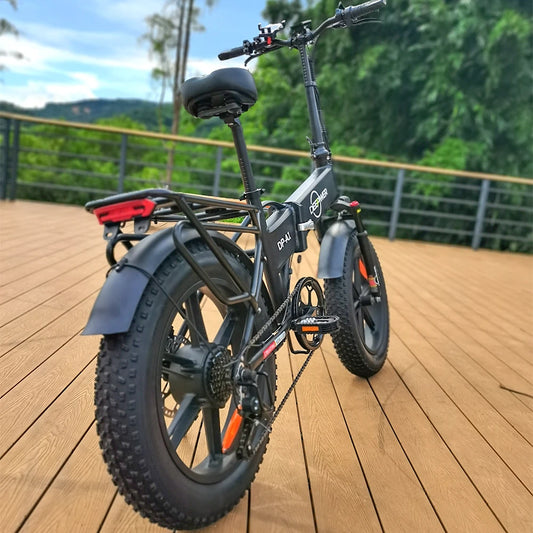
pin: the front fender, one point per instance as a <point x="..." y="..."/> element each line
<point x="333" y="249"/>
<point x="119" y="297"/>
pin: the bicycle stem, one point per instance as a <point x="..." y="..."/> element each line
<point x="319" y="149"/>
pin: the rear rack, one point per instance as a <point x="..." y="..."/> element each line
<point x="169" y="203"/>
<point x="203" y="213"/>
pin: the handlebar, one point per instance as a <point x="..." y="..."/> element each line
<point x="351" y="13"/>
<point x="234" y="52"/>
<point x="266" y="40"/>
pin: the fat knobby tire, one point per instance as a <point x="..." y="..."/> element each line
<point x="128" y="423"/>
<point x="349" y="339"/>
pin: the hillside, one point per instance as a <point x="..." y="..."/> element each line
<point x="141" y="111"/>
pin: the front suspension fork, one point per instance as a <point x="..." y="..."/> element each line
<point x="362" y="236"/>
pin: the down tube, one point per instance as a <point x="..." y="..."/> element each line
<point x="315" y="195"/>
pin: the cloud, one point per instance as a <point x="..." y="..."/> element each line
<point x="65" y="70"/>
<point x="202" y="66"/>
<point x="52" y="46"/>
<point x="38" y="93"/>
<point x="129" y="12"/>
<point x="88" y="79"/>
<point x="65" y="64"/>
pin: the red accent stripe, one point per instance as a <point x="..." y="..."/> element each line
<point x="231" y="431"/>
<point x="269" y="349"/>
<point x="125" y="211"/>
<point x="362" y="269"/>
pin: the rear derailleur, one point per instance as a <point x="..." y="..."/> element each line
<point x="256" y="412"/>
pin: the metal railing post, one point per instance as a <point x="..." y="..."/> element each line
<point x="12" y="185"/>
<point x="122" y="162"/>
<point x="480" y="217"/>
<point x="218" y="170"/>
<point x="5" y="166"/>
<point x="395" y="214"/>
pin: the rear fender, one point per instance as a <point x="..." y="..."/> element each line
<point x="121" y="293"/>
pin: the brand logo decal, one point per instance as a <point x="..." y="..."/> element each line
<point x="284" y="240"/>
<point x="316" y="203"/>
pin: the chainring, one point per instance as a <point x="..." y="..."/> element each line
<point x="308" y="301"/>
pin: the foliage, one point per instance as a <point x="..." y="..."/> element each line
<point x="443" y="84"/>
<point x="76" y="165"/>
<point x="168" y="37"/>
<point x="433" y="70"/>
<point x="439" y="83"/>
<point x="5" y="28"/>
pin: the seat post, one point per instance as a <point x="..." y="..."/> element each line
<point x="251" y="192"/>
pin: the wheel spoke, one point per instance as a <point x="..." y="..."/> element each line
<point x="368" y="318"/>
<point x="196" y="320"/>
<point x="181" y="423"/>
<point x="226" y="331"/>
<point x="356" y="299"/>
<point x="182" y="332"/>
<point x="357" y="289"/>
<point x="212" y="433"/>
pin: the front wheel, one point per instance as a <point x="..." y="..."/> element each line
<point x="166" y="405"/>
<point x="363" y="337"/>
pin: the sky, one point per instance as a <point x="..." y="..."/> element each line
<point x="76" y="50"/>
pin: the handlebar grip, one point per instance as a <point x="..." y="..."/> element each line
<point x="352" y="12"/>
<point x="229" y="54"/>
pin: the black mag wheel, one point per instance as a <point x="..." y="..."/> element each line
<point x="363" y="337"/>
<point x="165" y="406"/>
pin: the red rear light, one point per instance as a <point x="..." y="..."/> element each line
<point x="125" y="211"/>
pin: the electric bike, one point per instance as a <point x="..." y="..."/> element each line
<point x="191" y="319"/>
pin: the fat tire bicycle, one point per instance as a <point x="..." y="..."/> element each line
<point x="191" y="321"/>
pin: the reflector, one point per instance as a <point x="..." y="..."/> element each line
<point x="125" y="211"/>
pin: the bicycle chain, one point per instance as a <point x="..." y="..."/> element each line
<point x="249" y="424"/>
<point x="273" y="318"/>
<point x="267" y="429"/>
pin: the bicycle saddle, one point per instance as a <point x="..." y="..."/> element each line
<point x="225" y="91"/>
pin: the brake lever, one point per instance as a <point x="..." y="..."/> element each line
<point x="264" y="50"/>
<point x="249" y="58"/>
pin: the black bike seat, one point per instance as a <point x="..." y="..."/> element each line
<point x="228" y="90"/>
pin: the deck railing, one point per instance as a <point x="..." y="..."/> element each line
<point x="70" y="162"/>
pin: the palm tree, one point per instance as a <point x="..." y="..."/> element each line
<point x="168" y="36"/>
<point x="7" y="27"/>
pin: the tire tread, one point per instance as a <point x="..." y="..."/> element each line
<point x="116" y="402"/>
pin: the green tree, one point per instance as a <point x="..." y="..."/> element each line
<point x="438" y="82"/>
<point x="169" y="38"/>
<point x="7" y="28"/>
<point x="433" y="70"/>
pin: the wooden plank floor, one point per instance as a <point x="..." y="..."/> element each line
<point x="440" y="439"/>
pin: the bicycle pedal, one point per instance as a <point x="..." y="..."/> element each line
<point x="316" y="324"/>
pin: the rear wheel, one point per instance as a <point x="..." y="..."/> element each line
<point x="165" y="402"/>
<point x="363" y="337"/>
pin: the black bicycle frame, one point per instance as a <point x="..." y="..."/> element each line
<point x="277" y="237"/>
<point x="285" y="231"/>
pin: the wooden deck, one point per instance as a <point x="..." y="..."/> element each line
<point x="440" y="439"/>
